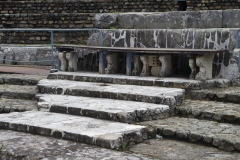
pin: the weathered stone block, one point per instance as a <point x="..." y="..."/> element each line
<point x="231" y="18"/>
<point x="131" y="21"/>
<point x="105" y="21"/>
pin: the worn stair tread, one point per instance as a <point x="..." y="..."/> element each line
<point x="210" y="110"/>
<point x="183" y="83"/>
<point x="17" y="105"/>
<point x="162" y="95"/>
<point x="222" y="135"/>
<point x="20" y="79"/>
<point x="103" y="133"/>
<point x="230" y="94"/>
<point x="109" y="109"/>
<point x="17" y="91"/>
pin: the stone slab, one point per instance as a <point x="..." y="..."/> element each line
<point x="150" y="94"/>
<point x="231" y="18"/>
<point x="116" y="110"/>
<point x="222" y="135"/>
<point x="20" y="79"/>
<point x="102" y="133"/>
<point x="17" y="91"/>
<point x="230" y="94"/>
<point x="19" y="145"/>
<point x="17" y="105"/>
<point x="210" y="110"/>
<point x="171" y="82"/>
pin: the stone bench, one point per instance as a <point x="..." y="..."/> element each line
<point x="158" y="58"/>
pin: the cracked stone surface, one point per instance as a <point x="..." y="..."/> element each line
<point x="160" y="95"/>
<point x="211" y="110"/>
<point x="92" y="131"/>
<point x="222" y="135"/>
<point x="20" y="79"/>
<point x="17" y="105"/>
<point x="183" y="83"/>
<point x="167" y="149"/>
<point x="17" y="91"/>
<point x="116" y="110"/>
<point x="230" y="94"/>
<point x="17" y="145"/>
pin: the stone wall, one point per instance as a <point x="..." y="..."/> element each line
<point x="193" y="5"/>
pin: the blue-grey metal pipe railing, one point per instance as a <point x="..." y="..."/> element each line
<point x="52" y="35"/>
<point x="236" y="46"/>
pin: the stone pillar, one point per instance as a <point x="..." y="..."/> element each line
<point x="112" y="63"/>
<point x="204" y="62"/>
<point x="137" y="65"/>
<point x="62" y="58"/>
<point x="192" y="65"/>
<point x="166" y="69"/>
<point x="146" y="69"/>
<point x="72" y="61"/>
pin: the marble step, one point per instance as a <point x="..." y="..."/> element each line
<point x="170" y="82"/>
<point x="17" y="105"/>
<point x="20" y="79"/>
<point x="108" y="109"/>
<point x="210" y="110"/>
<point x="222" y="135"/>
<point x="150" y="94"/>
<point x="106" y="134"/>
<point x="230" y="94"/>
<point x="17" y="91"/>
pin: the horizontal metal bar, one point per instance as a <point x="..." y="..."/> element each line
<point x="8" y="60"/>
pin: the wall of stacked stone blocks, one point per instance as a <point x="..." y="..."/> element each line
<point x="80" y="14"/>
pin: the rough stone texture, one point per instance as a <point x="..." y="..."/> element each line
<point x="115" y="110"/>
<point x="144" y="81"/>
<point x="17" y="105"/>
<point x="20" y="79"/>
<point x="27" y="54"/>
<point x="171" y="149"/>
<point x="102" y="133"/>
<point x="159" y="95"/>
<point x="221" y="135"/>
<point x="105" y="21"/>
<point x="178" y="38"/>
<point x="230" y="94"/>
<point x="211" y="110"/>
<point x="18" y="145"/>
<point x="230" y="18"/>
<point x="131" y="20"/>
<point x="17" y="91"/>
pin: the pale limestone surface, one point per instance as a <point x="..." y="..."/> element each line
<point x="116" y="110"/>
<point x="88" y="130"/>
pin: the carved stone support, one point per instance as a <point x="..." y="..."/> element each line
<point x="137" y="65"/>
<point x="166" y="69"/>
<point x="62" y="58"/>
<point x="146" y="69"/>
<point x="72" y="61"/>
<point x="192" y="65"/>
<point x="204" y="62"/>
<point x="112" y="63"/>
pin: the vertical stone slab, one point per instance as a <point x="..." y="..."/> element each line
<point x="102" y="62"/>
<point x="192" y="65"/>
<point x="72" y="61"/>
<point x="137" y="65"/>
<point x="166" y="69"/>
<point x="62" y="58"/>
<point x="204" y="62"/>
<point x="129" y="64"/>
<point x="112" y="63"/>
<point x="146" y="69"/>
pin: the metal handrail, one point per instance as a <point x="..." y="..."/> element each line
<point x="52" y="34"/>
<point x="236" y="46"/>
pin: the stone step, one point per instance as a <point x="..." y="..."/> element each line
<point x="210" y="110"/>
<point x="107" y="134"/>
<point x="170" y="82"/>
<point x="108" y="109"/>
<point x="222" y="135"/>
<point x="150" y="94"/>
<point x="17" y="91"/>
<point x="230" y="94"/>
<point x="17" y="105"/>
<point x="20" y="79"/>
